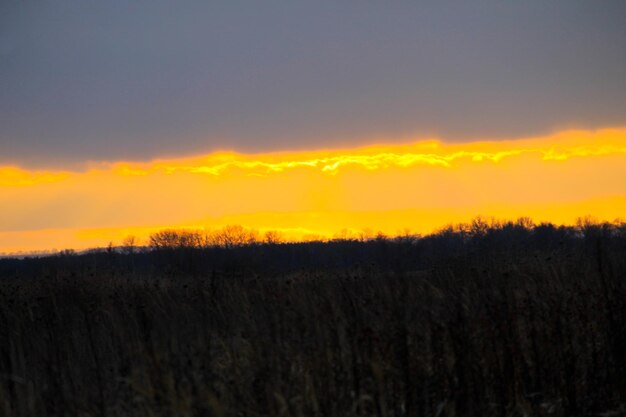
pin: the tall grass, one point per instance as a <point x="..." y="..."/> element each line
<point x="483" y="333"/>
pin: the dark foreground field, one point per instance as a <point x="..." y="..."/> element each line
<point x="507" y="321"/>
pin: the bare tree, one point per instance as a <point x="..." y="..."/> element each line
<point x="171" y="238"/>
<point x="129" y="244"/>
<point x="236" y="235"/>
<point x="273" y="237"/>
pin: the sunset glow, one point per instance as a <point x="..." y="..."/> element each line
<point x="319" y="194"/>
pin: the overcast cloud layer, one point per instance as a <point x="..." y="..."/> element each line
<point x="135" y="80"/>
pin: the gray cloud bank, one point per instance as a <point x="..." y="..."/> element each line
<point x="117" y="79"/>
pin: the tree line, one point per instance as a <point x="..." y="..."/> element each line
<point x="236" y="248"/>
<point x="231" y="236"/>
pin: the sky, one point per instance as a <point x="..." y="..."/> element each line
<point x="123" y="117"/>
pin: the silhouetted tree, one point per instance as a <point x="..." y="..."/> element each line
<point x="236" y="235"/>
<point x="171" y="239"/>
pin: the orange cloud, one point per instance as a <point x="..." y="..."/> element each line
<point x="387" y="187"/>
<point x="561" y="147"/>
<point x="17" y="177"/>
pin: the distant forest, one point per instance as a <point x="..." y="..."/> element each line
<point x="196" y="252"/>
<point x="480" y="319"/>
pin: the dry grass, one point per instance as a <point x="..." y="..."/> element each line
<point x="514" y="334"/>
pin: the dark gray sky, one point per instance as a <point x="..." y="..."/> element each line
<point x="113" y="79"/>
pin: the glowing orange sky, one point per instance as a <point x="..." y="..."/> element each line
<point x="421" y="186"/>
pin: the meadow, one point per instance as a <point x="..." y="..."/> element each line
<point x="500" y="319"/>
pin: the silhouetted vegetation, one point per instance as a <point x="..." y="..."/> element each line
<point x="481" y="319"/>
